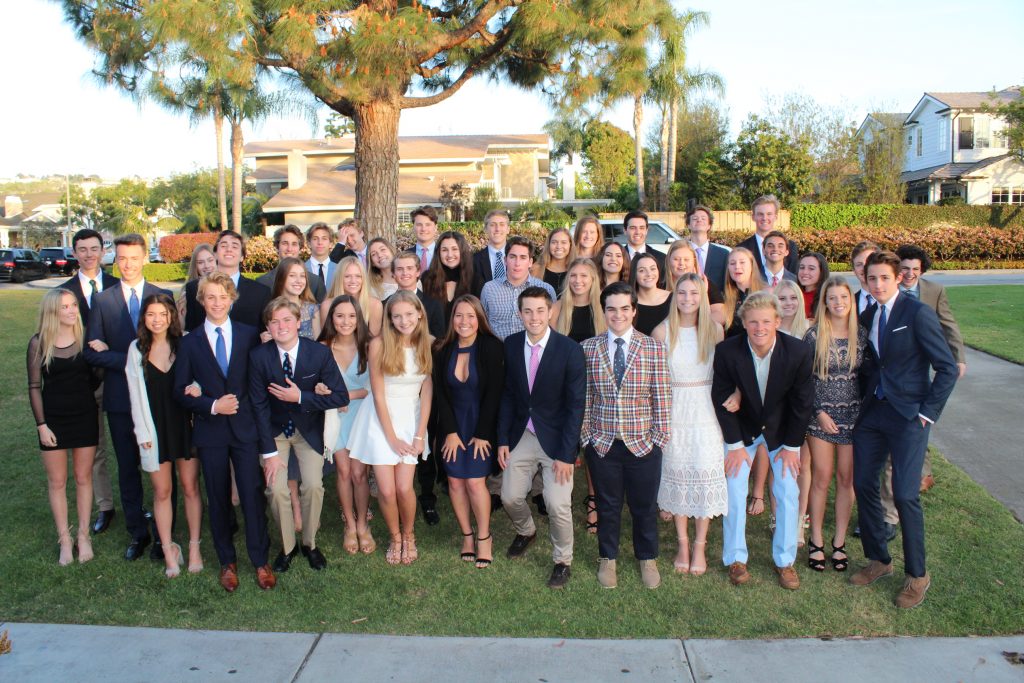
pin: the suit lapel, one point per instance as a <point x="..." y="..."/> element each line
<point x="632" y="353"/>
<point x="748" y="377"/>
<point x="776" y="368"/>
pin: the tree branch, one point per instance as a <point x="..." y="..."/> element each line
<point x="445" y="41"/>
<point x="480" y="62"/>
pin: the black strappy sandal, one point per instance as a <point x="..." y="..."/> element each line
<point x="816" y="565"/>
<point x="483" y="562"/>
<point x="468" y="556"/>
<point x="591" y="505"/>
<point x="839" y="564"/>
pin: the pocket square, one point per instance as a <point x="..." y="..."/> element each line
<point x="899" y="329"/>
<point x="310" y="376"/>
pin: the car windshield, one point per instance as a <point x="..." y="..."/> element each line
<point x="6" y="254"/>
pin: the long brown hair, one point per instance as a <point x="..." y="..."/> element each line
<point x="392" y="359"/>
<point x="173" y="326"/>
<point x="328" y="333"/>
<point x="434" y="279"/>
<point x="578" y="234"/>
<point x="281" y="277"/>
<point x="541" y="264"/>
<point x="623" y="272"/>
<point x="484" y="327"/>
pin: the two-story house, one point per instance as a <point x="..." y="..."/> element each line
<point x="314" y="180"/>
<point x="955" y="147"/>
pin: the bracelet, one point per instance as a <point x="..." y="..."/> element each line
<point x="40" y="424"/>
<point x="417" y="438"/>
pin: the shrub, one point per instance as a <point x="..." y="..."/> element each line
<point x="839" y="216"/>
<point x="260" y="255"/>
<point x="159" y="272"/>
<point x="473" y="231"/>
<point x="179" y="248"/>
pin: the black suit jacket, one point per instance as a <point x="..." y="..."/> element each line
<point x="557" y="402"/>
<point x="913" y="346"/>
<point x="248" y="309"/>
<point x="74" y="285"/>
<point x="315" y="286"/>
<point x="490" y="367"/>
<point x="110" y="322"/>
<point x="314" y="363"/>
<point x="483" y="270"/>
<point x="715" y="262"/>
<point x="788" y="398"/>
<point x="196" y="362"/>
<point x="792" y="261"/>
<point x="435" y="314"/>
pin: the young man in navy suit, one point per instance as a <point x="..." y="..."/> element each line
<point x="901" y="402"/>
<point x="711" y="257"/>
<point x="539" y="426"/>
<point x="113" y="326"/>
<point x="765" y="213"/>
<point x="88" y="282"/>
<point x="283" y="377"/>
<point x="252" y="296"/>
<point x="215" y="357"/>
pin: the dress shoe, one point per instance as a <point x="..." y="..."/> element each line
<point x="265" y="578"/>
<point x="890" y="531"/>
<point x="927" y="482"/>
<point x="913" y="591"/>
<point x="316" y="558"/>
<point x="103" y="520"/>
<point x="607" y="573"/>
<point x="874" y="571"/>
<point x="542" y="508"/>
<point x="519" y="545"/>
<point x="283" y="561"/>
<point x="156" y="553"/>
<point x="559" y="576"/>
<point x="738" y="574"/>
<point x="229" y="577"/>
<point x="649" y="573"/>
<point x="856" y="531"/>
<point x="495" y="502"/>
<point x="430" y="515"/>
<point x="136" y="548"/>
<point x="788" y="578"/>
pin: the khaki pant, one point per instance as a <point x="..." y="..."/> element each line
<point x="102" y="490"/>
<point x="311" y="491"/>
<point x="523" y="463"/>
<point x="888" y="505"/>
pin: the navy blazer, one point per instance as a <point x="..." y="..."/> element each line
<point x="490" y="368"/>
<point x="483" y="269"/>
<point x="792" y="261"/>
<point x="314" y="364"/>
<point x="74" y="285"/>
<point x="110" y="322"/>
<point x="715" y="263"/>
<point x="197" y="363"/>
<point x="556" y="403"/>
<point x="248" y="309"/>
<point x="914" y="345"/>
<point x="788" y="398"/>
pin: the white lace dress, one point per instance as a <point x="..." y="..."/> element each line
<point x="693" y="466"/>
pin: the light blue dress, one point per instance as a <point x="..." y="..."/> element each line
<point x="354" y="380"/>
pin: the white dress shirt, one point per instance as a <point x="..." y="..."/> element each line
<point x="126" y="290"/>
<point x="527" y="348"/>
<point x="762" y="368"/>
<point x="627" y="337"/>
<point x="83" y="280"/>
<point x="768" y="275"/>
<point x="211" y="336"/>
<point x="702" y="254"/>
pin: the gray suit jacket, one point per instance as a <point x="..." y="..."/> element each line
<point x="934" y="296"/>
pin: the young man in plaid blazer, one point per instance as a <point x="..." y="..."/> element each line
<point x="625" y="426"/>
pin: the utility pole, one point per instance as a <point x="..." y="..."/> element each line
<point x="67" y="211"/>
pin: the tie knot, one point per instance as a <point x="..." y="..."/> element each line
<point x="619" y="341"/>
<point x="92" y="283"/>
<point x="220" y="332"/>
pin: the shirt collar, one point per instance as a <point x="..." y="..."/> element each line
<point x="127" y="289"/>
<point x="888" y="304"/>
<point x="211" y="329"/>
<point x="543" y="343"/>
<point x="324" y="263"/>
<point x="627" y="337"/>
<point x="85" y="280"/>
<point x="292" y="352"/>
<point x="759" y="359"/>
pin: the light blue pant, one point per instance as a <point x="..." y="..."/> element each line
<point x="787" y="501"/>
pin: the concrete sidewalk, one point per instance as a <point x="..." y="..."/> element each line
<point x="45" y="652"/>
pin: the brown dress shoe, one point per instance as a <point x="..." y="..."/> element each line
<point x="913" y="591"/>
<point x="607" y="574"/>
<point x="738" y="574"/>
<point x="649" y="573"/>
<point x="265" y="578"/>
<point x="873" y="572"/>
<point x="927" y="482"/>
<point x="229" y="577"/>
<point x="788" y="578"/>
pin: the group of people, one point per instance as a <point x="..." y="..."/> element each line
<point x="671" y="378"/>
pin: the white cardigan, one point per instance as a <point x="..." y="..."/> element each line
<point x="145" y="430"/>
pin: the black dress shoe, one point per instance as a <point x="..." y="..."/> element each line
<point x="156" y="553"/>
<point x="519" y="545"/>
<point x="136" y="548"/>
<point x="890" y="531"/>
<point x="542" y="509"/>
<point x="284" y="560"/>
<point x="856" y="531"/>
<point x="316" y="558"/>
<point x="103" y="520"/>
<point x="495" y="502"/>
<point x="559" y="576"/>
<point x="430" y="515"/>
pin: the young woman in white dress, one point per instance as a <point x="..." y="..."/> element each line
<point x="692" y="472"/>
<point x="390" y="429"/>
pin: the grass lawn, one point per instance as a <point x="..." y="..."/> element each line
<point x="991" y="318"/>
<point x="977" y="585"/>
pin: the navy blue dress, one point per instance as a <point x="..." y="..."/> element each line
<point x="466" y="406"/>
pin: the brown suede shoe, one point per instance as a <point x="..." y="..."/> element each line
<point x="265" y="578"/>
<point x="913" y="591"/>
<point x="229" y="577"/>
<point x="873" y="572"/>
<point x="649" y="573"/>
<point x="927" y="482"/>
<point x="738" y="574"/>
<point x="788" y="578"/>
<point x="607" y="574"/>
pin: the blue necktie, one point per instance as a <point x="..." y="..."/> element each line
<point x="222" y="352"/>
<point x="499" y="267"/>
<point x="881" y="341"/>
<point x="289" y="428"/>
<point x="619" y="365"/>
<point x="133" y="308"/>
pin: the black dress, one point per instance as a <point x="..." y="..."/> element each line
<point x="582" y="326"/>
<point x="62" y="396"/>
<point x="169" y="418"/>
<point x="737" y="325"/>
<point x="556" y="280"/>
<point x="465" y="405"/>
<point x="648" y="317"/>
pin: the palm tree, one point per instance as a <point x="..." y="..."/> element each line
<point x="568" y="131"/>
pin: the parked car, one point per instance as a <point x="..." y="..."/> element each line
<point x="659" y="234"/>
<point x="108" y="256"/>
<point x="154" y="255"/>
<point x="19" y="265"/>
<point x="60" y="260"/>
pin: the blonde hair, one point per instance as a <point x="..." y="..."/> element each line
<point x="670" y="283"/>
<point x="49" y="325"/>
<point x="823" y="348"/>
<point x="800" y="323"/>
<point x="392" y="358"/>
<point x="338" y="285"/>
<point x="192" y="268"/>
<point x="759" y="300"/>
<point x="564" y="322"/>
<point x="545" y="253"/>
<point x="707" y="332"/>
<point x="732" y="292"/>
<point x="217" y="278"/>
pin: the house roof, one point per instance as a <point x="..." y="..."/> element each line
<point x="951" y="171"/>
<point x="886" y="118"/>
<point x="975" y="100"/>
<point x="410" y="148"/>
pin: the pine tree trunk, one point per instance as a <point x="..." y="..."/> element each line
<point x="673" y="146"/>
<point x="222" y="192"/>
<point x="237" y="143"/>
<point x="665" y="181"/>
<point x="377" y="167"/>
<point x="638" y="121"/>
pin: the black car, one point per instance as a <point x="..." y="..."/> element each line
<point x="19" y="265"/>
<point x="60" y="260"/>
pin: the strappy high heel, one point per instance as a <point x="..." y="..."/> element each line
<point x="410" y="553"/>
<point x="483" y="562"/>
<point x="395" y="551"/>
<point x="591" y="504"/>
<point x="174" y="571"/>
<point x="816" y="565"/>
<point x="195" y="568"/>
<point x="469" y="556"/>
<point x="839" y="564"/>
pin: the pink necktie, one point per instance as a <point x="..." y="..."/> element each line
<point x="423" y="260"/>
<point x="532" y="375"/>
<point x="700" y="259"/>
<point x="775" y="280"/>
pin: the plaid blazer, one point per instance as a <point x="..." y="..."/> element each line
<point x="638" y="412"/>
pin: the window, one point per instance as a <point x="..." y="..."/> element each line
<point x="919" y="141"/>
<point x="1000" y="139"/>
<point x="942" y="130"/>
<point x="966" y="138"/>
<point x="1017" y="195"/>
<point x="404" y="217"/>
<point x="981" y="132"/>
<point x="1000" y="195"/>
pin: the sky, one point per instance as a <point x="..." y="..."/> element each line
<point x="864" y="56"/>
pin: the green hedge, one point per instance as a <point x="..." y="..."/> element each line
<point x="168" y="272"/>
<point x="839" y="216"/>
